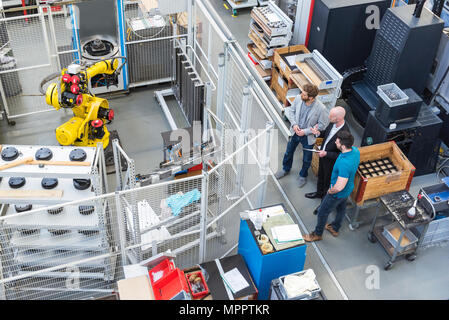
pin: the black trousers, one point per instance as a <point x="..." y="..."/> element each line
<point x="325" y="167"/>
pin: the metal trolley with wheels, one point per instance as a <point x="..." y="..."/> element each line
<point x="397" y="204"/>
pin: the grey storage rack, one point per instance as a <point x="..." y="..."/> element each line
<point x="27" y="244"/>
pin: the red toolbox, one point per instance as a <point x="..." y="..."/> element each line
<point x="165" y="266"/>
<point x="200" y="294"/>
<point x="170" y="285"/>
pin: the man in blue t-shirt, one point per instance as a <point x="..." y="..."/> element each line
<point x="342" y="183"/>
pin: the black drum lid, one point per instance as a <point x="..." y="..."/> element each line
<point x="16" y="182"/>
<point x="77" y="155"/>
<point x="49" y="183"/>
<point x="29" y="231"/>
<point x="43" y="154"/>
<point x="81" y="184"/>
<point x="58" y="232"/>
<point x="55" y="211"/>
<point x="86" y="210"/>
<point x="88" y="232"/>
<point x="23" y="207"/>
<point x="10" y="154"/>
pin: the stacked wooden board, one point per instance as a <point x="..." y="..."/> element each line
<point x="269" y="29"/>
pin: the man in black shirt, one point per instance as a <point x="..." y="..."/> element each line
<point x="329" y="151"/>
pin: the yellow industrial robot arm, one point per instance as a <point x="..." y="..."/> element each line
<point x="103" y="67"/>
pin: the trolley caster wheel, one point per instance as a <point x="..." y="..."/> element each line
<point x="371" y="238"/>
<point x="12" y="123"/>
<point x="410" y="256"/>
<point x="354" y="226"/>
<point x="388" y="266"/>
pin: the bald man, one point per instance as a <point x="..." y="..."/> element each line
<point x="329" y="151"/>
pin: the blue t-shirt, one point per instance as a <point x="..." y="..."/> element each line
<point x="346" y="167"/>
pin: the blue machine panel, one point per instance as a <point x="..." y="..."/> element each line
<point x="264" y="268"/>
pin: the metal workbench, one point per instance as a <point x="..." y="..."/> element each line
<point x="397" y="204"/>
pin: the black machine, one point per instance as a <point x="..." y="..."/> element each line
<point x="405" y="112"/>
<point x="339" y="30"/>
<point x="418" y="139"/>
<point x="403" y="53"/>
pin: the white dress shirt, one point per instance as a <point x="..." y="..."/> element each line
<point x="334" y="130"/>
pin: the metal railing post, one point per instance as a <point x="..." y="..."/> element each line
<point x="265" y="164"/>
<point x="190" y="26"/>
<point x="103" y="169"/>
<point x="243" y="138"/>
<point x="221" y="87"/>
<point x="120" y="218"/>
<point x="204" y="208"/>
<point x="205" y="113"/>
<point x="118" y="165"/>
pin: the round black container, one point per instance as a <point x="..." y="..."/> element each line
<point x="43" y="154"/>
<point x="89" y="232"/>
<point x="28" y="232"/>
<point x="55" y="211"/>
<point x="33" y="251"/>
<point x="57" y="232"/>
<point x="81" y="184"/>
<point x="86" y="210"/>
<point x="77" y="155"/>
<point x="23" y="207"/>
<point x="10" y="154"/>
<point x="16" y="182"/>
<point x="49" y="183"/>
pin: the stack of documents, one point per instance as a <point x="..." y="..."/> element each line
<point x="286" y="233"/>
<point x="235" y="280"/>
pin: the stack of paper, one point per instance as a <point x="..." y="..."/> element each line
<point x="286" y="233"/>
<point x="235" y="280"/>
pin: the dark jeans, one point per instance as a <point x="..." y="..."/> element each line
<point x="329" y="203"/>
<point x="293" y="143"/>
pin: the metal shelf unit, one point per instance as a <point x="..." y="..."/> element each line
<point x="331" y="79"/>
<point x="27" y="243"/>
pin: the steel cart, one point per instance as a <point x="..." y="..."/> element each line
<point x="397" y="204"/>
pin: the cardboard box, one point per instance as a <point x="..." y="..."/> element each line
<point x="136" y="288"/>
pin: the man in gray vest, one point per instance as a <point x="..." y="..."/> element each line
<point x="306" y="115"/>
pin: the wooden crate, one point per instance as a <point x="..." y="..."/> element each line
<point x="283" y="67"/>
<point x="299" y="80"/>
<point x="280" y="86"/>
<point x="315" y="157"/>
<point x="374" y="187"/>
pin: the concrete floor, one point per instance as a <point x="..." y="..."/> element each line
<point x="139" y="121"/>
